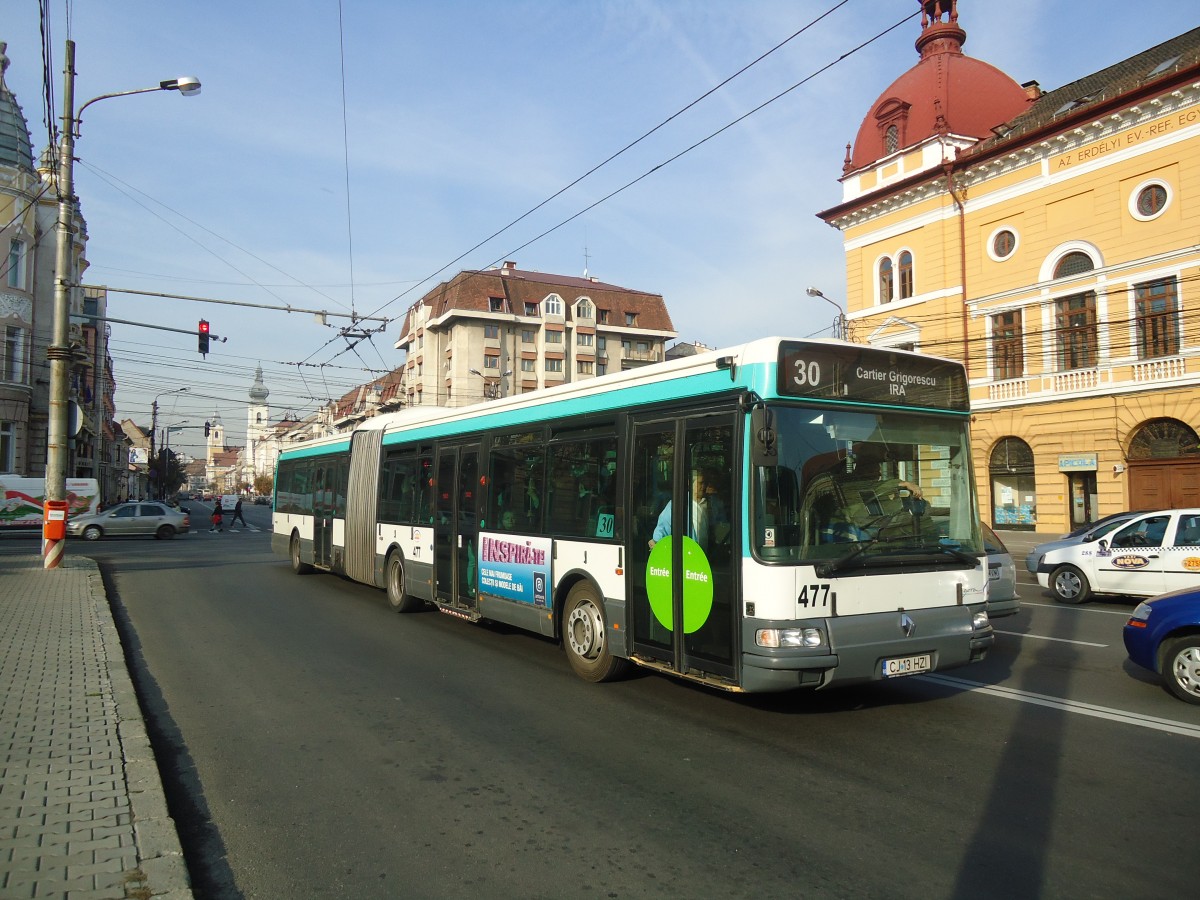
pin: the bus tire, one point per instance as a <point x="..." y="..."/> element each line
<point x="1069" y="585"/>
<point x="585" y="636"/>
<point x="400" y="600"/>
<point x="298" y="565"/>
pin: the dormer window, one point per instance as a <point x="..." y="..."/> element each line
<point x="583" y="309"/>
<point x="891" y="117"/>
<point x="553" y="305"/>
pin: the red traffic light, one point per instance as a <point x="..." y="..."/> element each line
<point x="202" y="337"/>
<point x="204" y="326"/>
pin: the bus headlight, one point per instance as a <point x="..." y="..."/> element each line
<point x="789" y="637"/>
<point x="980" y="620"/>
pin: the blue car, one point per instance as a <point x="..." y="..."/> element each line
<point x="1163" y="635"/>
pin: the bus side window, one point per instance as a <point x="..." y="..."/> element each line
<point x="582" y="486"/>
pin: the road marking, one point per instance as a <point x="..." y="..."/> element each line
<point x="1067" y="606"/>
<point x="1042" y="637"/>
<point x="1071" y="706"/>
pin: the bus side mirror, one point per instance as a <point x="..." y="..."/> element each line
<point x="763" y="451"/>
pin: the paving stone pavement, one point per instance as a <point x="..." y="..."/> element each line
<point x="82" y="810"/>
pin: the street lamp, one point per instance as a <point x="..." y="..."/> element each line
<point x="491" y="390"/>
<point x="59" y="351"/>
<point x="154" y="430"/>
<point x="839" y="324"/>
<point x="165" y="458"/>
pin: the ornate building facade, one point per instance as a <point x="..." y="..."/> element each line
<point x="1048" y="240"/>
<point x="28" y="233"/>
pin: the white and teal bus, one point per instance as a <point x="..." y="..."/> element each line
<point x="783" y="514"/>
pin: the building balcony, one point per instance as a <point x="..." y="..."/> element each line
<point x="1119" y="377"/>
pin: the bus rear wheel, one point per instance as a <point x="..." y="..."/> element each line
<point x="298" y="566"/>
<point x="399" y="599"/>
<point x="585" y="636"/>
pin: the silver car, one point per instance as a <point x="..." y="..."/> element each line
<point x="1002" y="576"/>
<point x="136" y="517"/>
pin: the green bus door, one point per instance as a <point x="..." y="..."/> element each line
<point x="683" y="543"/>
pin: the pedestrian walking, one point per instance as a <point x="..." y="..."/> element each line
<point x="237" y="515"/>
<point x="218" y="517"/>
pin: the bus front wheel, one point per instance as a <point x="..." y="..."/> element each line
<point x="298" y="566"/>
<point x="585" y="636"/>
<point x="399" y="599"/>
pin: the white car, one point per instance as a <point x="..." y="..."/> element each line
<point x="1153" y="553"/>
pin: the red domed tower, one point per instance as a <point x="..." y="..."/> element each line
<point x="945" y="94"/>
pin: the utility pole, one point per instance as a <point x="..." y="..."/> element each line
<point x="59" y="351"/>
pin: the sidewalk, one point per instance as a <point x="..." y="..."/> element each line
<point x="82" y="809"/>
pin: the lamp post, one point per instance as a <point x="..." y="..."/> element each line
<point x="492" y="389"/>
<point x="839" y="324"/>
<point x="165" y="458"/>
<point x="154" y="431"/>
<point x="59" y="351"/>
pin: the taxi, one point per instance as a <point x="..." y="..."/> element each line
<point x="1151" y="554"/>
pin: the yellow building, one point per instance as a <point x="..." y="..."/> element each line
<point x="1051" y="240"/>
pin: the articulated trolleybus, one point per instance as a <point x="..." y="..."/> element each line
<point x="784" y="514"/>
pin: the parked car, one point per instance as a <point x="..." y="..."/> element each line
<point x="1002" y="576"/>
<point x="1163" y="635"/>
<point x="1082" y="535"/>
<point x="135" y="517"/>
<point x="262" y="500"/>
<point x="1150" y="554"/>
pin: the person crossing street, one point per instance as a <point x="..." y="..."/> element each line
<point x="237" y="515"/>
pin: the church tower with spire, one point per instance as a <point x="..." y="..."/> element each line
<point x="258" y="418"/>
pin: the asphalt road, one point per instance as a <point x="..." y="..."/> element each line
<point x="318" y="745"/>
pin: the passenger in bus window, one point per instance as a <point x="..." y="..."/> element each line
<point x="708" y="521"/>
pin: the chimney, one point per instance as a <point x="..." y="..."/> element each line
<point x="508" y="266"/>
<point x="1033" y="90"/>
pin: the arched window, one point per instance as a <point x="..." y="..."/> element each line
<point x="892" y="138"/>
<point x="552" y="305"/>
<point x="1164" y="439"/>
<point x="886" y="283"/>
<point x="1073" y="263"/>
<point x="1014" y="489"/>
<point x="583" y="308"/>
<point x="906" y="275"/>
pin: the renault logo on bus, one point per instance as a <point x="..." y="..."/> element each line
<point x="907" y="625"/>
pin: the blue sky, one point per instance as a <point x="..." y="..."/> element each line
<point x="459" y="117"/>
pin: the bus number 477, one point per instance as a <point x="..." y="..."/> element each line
<point x="815" y="596"/>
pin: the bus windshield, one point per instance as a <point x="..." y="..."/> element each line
<point x="878" y="488"/>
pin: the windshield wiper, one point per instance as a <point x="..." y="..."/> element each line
<point x="958" y="554"/>
<point x="836" y="565"/>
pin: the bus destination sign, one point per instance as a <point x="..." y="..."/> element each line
<point x="871" y="375"/>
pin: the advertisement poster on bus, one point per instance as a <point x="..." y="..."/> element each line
<point x="515" y="568"/>
<point x="22" y="499"/>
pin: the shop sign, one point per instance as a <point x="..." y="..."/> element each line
<point x="1077" y="462"/>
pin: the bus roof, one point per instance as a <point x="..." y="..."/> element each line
<point x="751" y="366"/>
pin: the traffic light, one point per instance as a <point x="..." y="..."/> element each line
<point x="203" y="335"/>
<point x="207" y="429"/>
